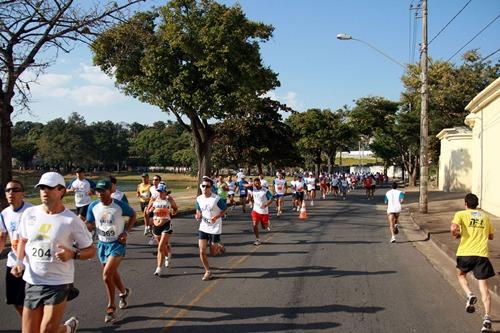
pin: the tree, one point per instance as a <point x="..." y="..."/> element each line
<point x="111" y="143"/>
<point x="451" y="88"/>
<point x="257" y="136"/>
<point x="28" y="30"/>
<point x="198" y="60"/>
<point x="24" y="135"/>
<point x="312" y="130"/>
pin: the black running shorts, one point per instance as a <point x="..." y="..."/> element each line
<point x="480" y="266"/>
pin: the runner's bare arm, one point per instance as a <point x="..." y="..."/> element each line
<point x="455" y="230"/>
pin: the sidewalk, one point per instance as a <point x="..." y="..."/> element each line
<point x="436" y="225"/>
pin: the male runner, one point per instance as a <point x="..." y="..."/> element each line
<point x="83" y="189"/>
<point x="262" y="198"/>
<point x="9" y="224"/>
<point x="107" y="216"/>
<point x="45" y="252"/>
<point x="279" y="188"/>
<point x="144" y="194"/>
<point x="209" y="212"/>
<point x="474" y="229"/>
<point x="393" y="199"/>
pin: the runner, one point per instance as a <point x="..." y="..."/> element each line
<point x="335" y="186"/>
<point x="83" y="189"/>
<point x="9" y="224"/>
<point x="144" y="194"/>
<point x="263" y="181"/>
<point x="222" y="191"/>
<point x="115" y="192"/>
<point x="343" y="187"/>
<point x="209" y="212"/>
<point x="279" y="188"/>
<point x="474" y="229"/>
<point x="262" y="198"/>
<point x="107" y="216"/>
<point x="243" y="190"/>
<point x="299" y="187"/>
<point x="369" y="184"/>
<point x="323" y="184"/>
<point x="45" y="252"/>
<point x="311" y="187"/>
<point x="393" y="199"/>
<point x="163" y="208"/>
<point x="231" y="185"/>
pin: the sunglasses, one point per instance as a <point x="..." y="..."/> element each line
<point x="13" y="189"/>
<point x="45" y="187"/>
<point x="206" y="186"/>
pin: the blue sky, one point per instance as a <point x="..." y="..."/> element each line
<point x="315" y="69"/>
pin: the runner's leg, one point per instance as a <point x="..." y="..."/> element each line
<point x="52" y="318"/>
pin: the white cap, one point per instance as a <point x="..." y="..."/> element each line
<point x="51" y="179"/>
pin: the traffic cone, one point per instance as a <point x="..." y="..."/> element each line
<point x="303" y="211"/>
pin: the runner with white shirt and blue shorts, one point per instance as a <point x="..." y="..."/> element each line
<point x="83" y="189"/>
<point x="279" y="188"/>
<point x="107" y="216"/>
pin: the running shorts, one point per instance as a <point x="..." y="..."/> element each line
<point x="480" y="266"/>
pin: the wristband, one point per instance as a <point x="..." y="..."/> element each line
<point x="20" y="263"/>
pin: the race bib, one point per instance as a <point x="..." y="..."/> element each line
<point x="40" y="251"/>
<point x="279" y="187"/>
<point x="107" y="231"/>
<point x="145" y="195"/>
<point x="79" y="195"/>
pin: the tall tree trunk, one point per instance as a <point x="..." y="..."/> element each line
<point x="5" y="148"/>
<point x="259" y="166"/>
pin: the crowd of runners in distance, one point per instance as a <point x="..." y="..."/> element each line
<point x="47" y="239"/>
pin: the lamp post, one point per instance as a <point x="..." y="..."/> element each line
<point x="424" y="118"/>
<point x="349" y="37"/>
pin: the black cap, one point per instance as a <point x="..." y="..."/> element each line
<point x="78" y="170"/>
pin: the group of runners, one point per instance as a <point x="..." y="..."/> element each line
<point x="47" y="239"/>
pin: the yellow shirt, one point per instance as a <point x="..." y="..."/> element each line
<point x="144" y="193"/>
<point x="475" y="228"/>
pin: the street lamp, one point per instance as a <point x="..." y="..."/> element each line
<point x="424" y="112"/>
<point x="349" y="37"/>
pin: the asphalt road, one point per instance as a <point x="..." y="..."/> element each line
<point x="335" y="272"/>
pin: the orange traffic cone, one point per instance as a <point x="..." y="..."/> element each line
<point x="303" y="211"/>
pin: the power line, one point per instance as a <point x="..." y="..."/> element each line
<point x="413" y="30"/>
<point x="491" y="22"/>
<point x="489" y="55"/>
<point x="447" y="24"/>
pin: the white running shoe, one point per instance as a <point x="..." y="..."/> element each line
<point x="257" y="242"/>
<point x="158" y="271"/>
<point x="393" y="239"/>
<point x="312" y="203"/>
<point x="123" y="303"/>
<point x="487" y="327"/>
<point x="152" y="241"/>
<point x="72" y="323"/>
<point x="168" y="260"/>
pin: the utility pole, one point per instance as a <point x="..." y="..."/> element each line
<point x="424" y="117"/>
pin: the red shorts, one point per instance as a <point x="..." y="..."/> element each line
<point x="262" y="218"/>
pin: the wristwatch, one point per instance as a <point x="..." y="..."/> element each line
<point x="77" y="254"/>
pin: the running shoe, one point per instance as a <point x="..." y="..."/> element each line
<point x="168" y="260"/>
<point x="257" y="242"/>
<point x="73" y="323"/>
<point x="157" y="271"/>
<point x="207" y="276"/>
<point x="146" y="231"/>
<point x="469" y="306"/>
<point x="393" y="239"/>
<point x="123" y="304"/>
<point x="487" y="327"/>
<point x="312" y="203"/>
<point x="110" y="315"/>
<point x="152" y="241"/>
<point x="268" y="227"/>
<point x="396" y="229"/>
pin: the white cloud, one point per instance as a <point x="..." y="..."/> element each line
<point x="93" y="75"/>
<point x="290" y="99"/>
<point x="91" y="95"/>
